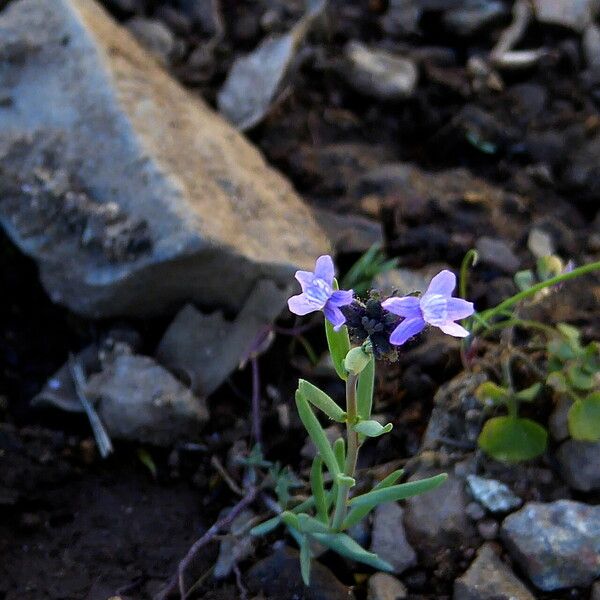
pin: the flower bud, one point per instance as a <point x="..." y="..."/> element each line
<point x="356" y="360"/>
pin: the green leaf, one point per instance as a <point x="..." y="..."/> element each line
<point x="371" y="428"/>
<point x="290" y="519"/>
<point x="345" y="480"/>
<point x="266" y="527"/>
<point x="316" y="433"/>
<point x="579" y="379"/>
<point x="529" y="394"/>
<point x="147" y="461"/>
<point x="318" y="488"/>
<point x="571" y="333"/>
<point x="347" y="547"/>
<point x="364" y="390"/>
<point x="584" y="418"/>
<point x="557" y="381"/>
<point x="339" y="450"/>
<point x="358" y="513"/>
<point x="489" y="391"/>
<point x="308" y="524"/>
<point x="305" y="559"/>
<point x="339" y="345"/>
<point x="321" y="400"/>
<point x="512" y="439"/>
<point x="394" y="493"/>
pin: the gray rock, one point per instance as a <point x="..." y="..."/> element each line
<point x="236" y="546"/>
<point x="388" y="539"/>
<point x="574" y="14"/>
<point x="580" y="464"/>
<point x="278" y="576"/>
<point x="156" y="37"/>
<point x="383" y="586"/>
<point x="497" y="253"/>
<point x="350" y="233"/>
<point x="129" y="192"/>
<point x="207" y="348"/>
<point x="255" y="80"/>
<point x="556" y="544"/>
<point x="402" y="17"/>
<point x="558" y="422"/>
<point x="591" y="46"/>
<point x="473" y="15"/>
<point x="488" y="578"/>
<point x="494" y="495"/>
<point x="405" y="281"/>
<point x="595" y="591"/>
<point x="378" y="73"/>
<point x="139" y="400"/>
<point x="540" y="243"/>
<point x="438" y="518"/>
<point x="488" y="529"/>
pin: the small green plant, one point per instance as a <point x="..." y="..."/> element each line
<point x="361" y="274"/>
<point x="574" y="370"/>
<point x="332" y="508"/>
<point x="510" y="438"/>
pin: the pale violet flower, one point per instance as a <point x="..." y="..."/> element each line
<point x="435" y="307"/>
<point x="318" y="293"/>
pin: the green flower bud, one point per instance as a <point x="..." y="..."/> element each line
<point x="356" y="360"/>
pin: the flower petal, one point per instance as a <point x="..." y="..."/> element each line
<point x="408" y="306"/>
<point x="301" y="305"/>
<point x="459" y="309"/>
<point x="406" y="330"/>
<point x="454" y="329"/>
<point x="443" y="283"/>
<point x="334" y="315"/>
<point x="305" y="278"/>
<point x="342" y="297"/>
<point x="324" y="268"/>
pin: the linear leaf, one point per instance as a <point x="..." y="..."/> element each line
<point x="364" y="390"/>
<point x="266" y="526"/>
<point x="308" y="524"/>
<point x="321" y="400"/>
<point x="318" y="488"/>
<point x="346" y="546"/>
<point x="339" y="449"/>
<point x="316" y="433"/>
<point x="372" y="428"/>
<point x="305" y="559"/>
<point x="398" y="492"/>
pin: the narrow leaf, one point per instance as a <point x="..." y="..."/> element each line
<point x="358" y="513"/>
<point x="364" y="390"/>
<point x="308" y="524"/>
<point x="398" y="492"/>
<point x="316" y="433"/>
<point x="290" y="519"/>
<point x="339" y="345"/>
<point x="584" y="418"/>
<point x="321" y="400"/>
<point x="318" y="488"/>
<point x="266" y="527"/>
<point x="305" y="559"/>
<point x="529" y="394"/>
<point x="372" y="428"/>
<point x="347" y="547"/>
<point x="339" y="450"/>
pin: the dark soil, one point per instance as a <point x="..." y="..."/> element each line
<point x="73" y="526"/>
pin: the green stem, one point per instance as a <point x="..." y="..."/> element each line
<point x="486" y="315"/>
<point x="525" y="324"/>
<point x="341" y="503"/>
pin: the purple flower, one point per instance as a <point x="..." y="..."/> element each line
<point x="435" y="307"/>
<point x="318" y="293"/>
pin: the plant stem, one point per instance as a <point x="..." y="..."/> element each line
<point x="486" y="315"/>
<point x="341" y="503"/>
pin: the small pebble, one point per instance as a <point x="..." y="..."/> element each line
<point x="488" y="529"/>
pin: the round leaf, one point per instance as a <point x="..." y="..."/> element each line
<point x="584" y="418"/>
<point x="492" y="392"/>
<point x="510" y="439"/>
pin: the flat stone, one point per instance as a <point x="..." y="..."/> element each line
<point x="438" y="518"/>
<point x="131" y="194"/>
<point x="206" y="348"/>
<point x="139" y="400"/>
<point x="278" y="576"/>
<point x="580" y="464"/>
<point x="378" y="73"/>
<point x="556" y="544"/>
<point x="494" y="495"/>
<point x="488" y="578"/>
<point x="383" y="586"/>
<point x="388" y="538"/>
<point x="574" y="14"/>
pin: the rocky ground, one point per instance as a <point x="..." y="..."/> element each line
<point x="146" y="236"/>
